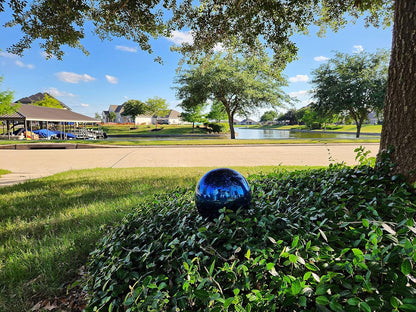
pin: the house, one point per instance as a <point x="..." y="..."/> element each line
<point x="374" y="118"/>
<point x="248" y="121"/>
<point x="39" y="97"/>
<point x="171" y="118"/>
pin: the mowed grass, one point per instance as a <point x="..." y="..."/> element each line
<point x="3" y="172"/>
<point x="49" y="226"/>
<point x="122" y="129"/>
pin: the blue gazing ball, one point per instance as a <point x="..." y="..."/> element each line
<point x="221" y="188"/>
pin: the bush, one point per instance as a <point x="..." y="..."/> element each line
<point x="336" y="239"/>
<point x="218" y="127"/>
<point x="315" y="126"/>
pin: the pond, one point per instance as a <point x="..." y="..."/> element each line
<point x="258" y="134"/>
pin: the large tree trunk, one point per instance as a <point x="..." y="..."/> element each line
<point x="231" y="124"/>
<point x="399" y="126"/>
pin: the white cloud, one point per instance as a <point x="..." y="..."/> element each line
<point x="126" y="49"/>
<point x="321" y="58"/>
<point x="111" y="79"/>
<point x="299" y="78"/>
<point x="84" y="105"/>
<point x="180" y="37"/>
<point x="358" y="49"/>
<point x="73" y="77"/>
<point x="23" y="65"/>
<point x="8" y="55"/>
<point x="300" y="94"/>
<point x="55" y="92"/>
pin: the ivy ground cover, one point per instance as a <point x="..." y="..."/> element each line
<point x="334" y="239"/>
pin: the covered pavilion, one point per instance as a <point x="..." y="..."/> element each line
<point x="27" y="114"/>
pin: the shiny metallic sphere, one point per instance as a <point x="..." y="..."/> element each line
<point x="221" y="188"/>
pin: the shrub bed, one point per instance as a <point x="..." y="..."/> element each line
<point x="336" y="239"/>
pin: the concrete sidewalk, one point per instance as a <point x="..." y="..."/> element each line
<point x="30" y="164"/>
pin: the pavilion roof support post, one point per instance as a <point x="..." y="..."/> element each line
<point x="47" y="130"/>
<point x="8" y="128"/>
<point x="25" y="127"/>
<point x="31" y="132"/>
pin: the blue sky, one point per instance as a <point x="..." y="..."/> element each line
<point x="118" y="70"/>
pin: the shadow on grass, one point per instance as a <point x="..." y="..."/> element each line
<point x="48" y="228"/>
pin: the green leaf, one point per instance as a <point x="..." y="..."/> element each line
<point x="228" y="302"/>
<point x="394" y="302"/>
<point x="302" y="301"/>
<point x="353" y="301"/>
<point x="295" y="241"/>
<point x="406" y="267"/>
<point x="293" y="258"/>
<point x="335" y="306"/>
<point x="366" y="223"/>
<point x="296" y="287"/>
<point x="248" y="253"/>
<point x="364" y="306"/>
<point x="322" y="300"/>
<point x="307" y="275"/>
<point x="407" y="307"/>
<point x="357" y="252"/>
<point x="211" y="268"/>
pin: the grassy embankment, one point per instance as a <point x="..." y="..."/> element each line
<point x="3" y="172"/>
<point x="49" y="226"/>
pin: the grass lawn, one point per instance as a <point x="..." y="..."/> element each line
<point x="3" y="172"/>
<point x="119" y="129"/>
<point x="49" y="226"/>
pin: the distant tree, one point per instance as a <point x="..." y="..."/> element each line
<point x="112" y="116"/>
<point x="354" y="83"/>
<point x="97" y="116"/>
<point x="6" y="100"/>
<point x="193" y="114"/>
<point x="157" y="107"/>
<point x="133" y="108"/>
<point x="242" y="83"/>
<point x="289" y="117"/>
<point x="269" y="116"/>
<point x="48" y="101"/>
<point x="217" y="111"/>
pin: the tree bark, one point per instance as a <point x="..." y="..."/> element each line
<point x="399" y="125"/>
<point x="231" y="124"/>
<point x="358" y="125"/>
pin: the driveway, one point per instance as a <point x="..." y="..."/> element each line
<point x="30" y="164"/>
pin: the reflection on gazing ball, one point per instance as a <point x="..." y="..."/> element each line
<point x="221" y="188"/>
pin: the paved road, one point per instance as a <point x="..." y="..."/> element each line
<point x="30" y="164"/>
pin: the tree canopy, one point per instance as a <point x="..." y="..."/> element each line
<point x="241" y="84"/>
<point x="269" y="116"/>
<point x="217" y="111"/>
<point x="193" y="114"/>
<point x="6" y="100"/>
<point x="134" y="108"/>
<point x="352" y="83"/>
<point x="157" y="106"/>
<point x="48" y="101"/>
